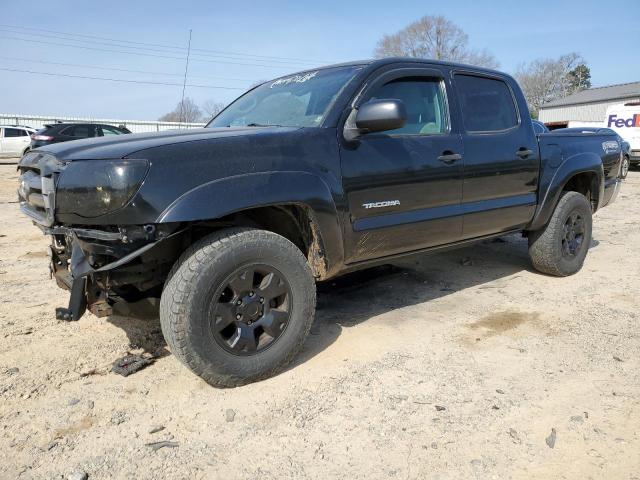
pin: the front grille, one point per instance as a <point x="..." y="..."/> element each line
<point x="36" y="191"/>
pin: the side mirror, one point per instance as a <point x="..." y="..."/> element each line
<point x="381" y="115"/>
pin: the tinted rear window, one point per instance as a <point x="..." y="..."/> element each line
<point x="487" y="104"/>
<point x="14" y="132"/>
<point x="81" y="131"/>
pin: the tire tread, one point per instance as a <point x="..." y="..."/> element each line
<point x="543" y="244"/>
<point x="177" y="295"/>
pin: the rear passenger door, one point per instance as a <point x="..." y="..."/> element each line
<point x="501" y="162"/>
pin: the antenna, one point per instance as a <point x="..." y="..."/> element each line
<point x="184" y="83"/>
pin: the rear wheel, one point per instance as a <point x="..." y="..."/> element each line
<point x="238" y="305"/>
<point x="624" y="169"/>
<point x="561" y="247"/>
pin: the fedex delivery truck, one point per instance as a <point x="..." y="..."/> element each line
<point x="625" y="120"/>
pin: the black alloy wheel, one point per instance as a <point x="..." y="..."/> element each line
<point x="573" y="235"/>
<point x="238" y="305"/>
<point x="251" y="309"/>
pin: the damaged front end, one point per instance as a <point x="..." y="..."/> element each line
<point x="103" y="268"/>
<point x="106" y="265"/>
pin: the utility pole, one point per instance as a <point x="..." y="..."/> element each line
<point x="184" y="83"/>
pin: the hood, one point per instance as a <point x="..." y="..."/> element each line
<point x="124" y="145"/>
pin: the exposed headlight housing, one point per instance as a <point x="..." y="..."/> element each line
<point x="95" y="187"/>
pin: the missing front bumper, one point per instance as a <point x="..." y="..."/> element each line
<point x="98" y="286"/>
<point x="76" y="279"/>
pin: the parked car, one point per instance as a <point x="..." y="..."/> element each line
<point x="15" y="140"/>
<point x="539" y="127"/>
<point x="64" y="132"/>
<point x="625" y="147"/>
<point x="304" y="178"/>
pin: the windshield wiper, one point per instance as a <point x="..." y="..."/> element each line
<point x="262" y="125"/>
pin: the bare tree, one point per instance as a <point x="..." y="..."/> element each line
<point x="433" y="36"/>
<point x="186" y="111"/>
<point x="211" y="108"/>
<point x="547" y="79"/>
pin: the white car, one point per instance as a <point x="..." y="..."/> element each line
<point x="15" y="140"/>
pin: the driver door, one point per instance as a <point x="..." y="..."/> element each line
<point x="404" y="186"/>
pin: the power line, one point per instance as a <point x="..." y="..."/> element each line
<point x="118" y="45"/>
<point x="52" y="74"/>
<point x="117" y="69"/>
<point x="140" y="54"/>
<point x="162" y="45"/>
<point x="306" y="60"/>
<point x="184" y="83"/>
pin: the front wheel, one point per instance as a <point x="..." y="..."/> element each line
<point x="561" y="247"/>
<point x="238" y="305"/>
<point x="624" y="169"/>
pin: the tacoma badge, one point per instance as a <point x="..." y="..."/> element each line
<point x="388" y="203"/>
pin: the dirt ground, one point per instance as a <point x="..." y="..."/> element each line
<point x="465" y="364"/>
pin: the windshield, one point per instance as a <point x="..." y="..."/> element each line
<point x="300" y="100"/>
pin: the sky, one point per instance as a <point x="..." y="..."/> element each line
<point x="237" y="43"/>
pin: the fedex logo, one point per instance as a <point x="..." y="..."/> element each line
<point x="613" y="120"/>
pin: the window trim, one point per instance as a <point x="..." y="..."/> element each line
<point x="387" y="76"/>
<point x="472" y="73"/>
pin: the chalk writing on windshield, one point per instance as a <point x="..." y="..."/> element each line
<point x="294" y="79"/>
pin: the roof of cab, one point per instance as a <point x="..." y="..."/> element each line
<point x="376" y="63"/>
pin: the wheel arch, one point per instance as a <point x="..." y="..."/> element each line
<point x="582" y="173"/>
<point x="296" y="205"/>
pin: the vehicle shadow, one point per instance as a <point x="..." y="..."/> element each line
<point x="349" y="300"/>
<point x="142" y="326"/>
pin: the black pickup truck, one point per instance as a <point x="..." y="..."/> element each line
<point x="300" y="179"/>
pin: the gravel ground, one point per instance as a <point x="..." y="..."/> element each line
<point x="465" y="364"/>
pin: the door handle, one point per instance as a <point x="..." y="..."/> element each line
<point x="523" y="153"/>
<point x="449" y="157"/>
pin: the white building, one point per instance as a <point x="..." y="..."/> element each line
<point x="588" y="105"/>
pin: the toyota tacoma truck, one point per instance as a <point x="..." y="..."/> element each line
<point x="303" y="178"/>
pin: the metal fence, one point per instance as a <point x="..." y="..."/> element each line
<point x="136" y="126"/>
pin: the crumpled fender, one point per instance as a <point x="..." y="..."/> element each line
<point x="229" y="195"/>
<point x="556" y="173"/>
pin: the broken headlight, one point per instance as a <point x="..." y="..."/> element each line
<point x="94" y="187"/>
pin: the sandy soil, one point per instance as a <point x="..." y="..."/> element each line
<point x="457" y="365"/>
